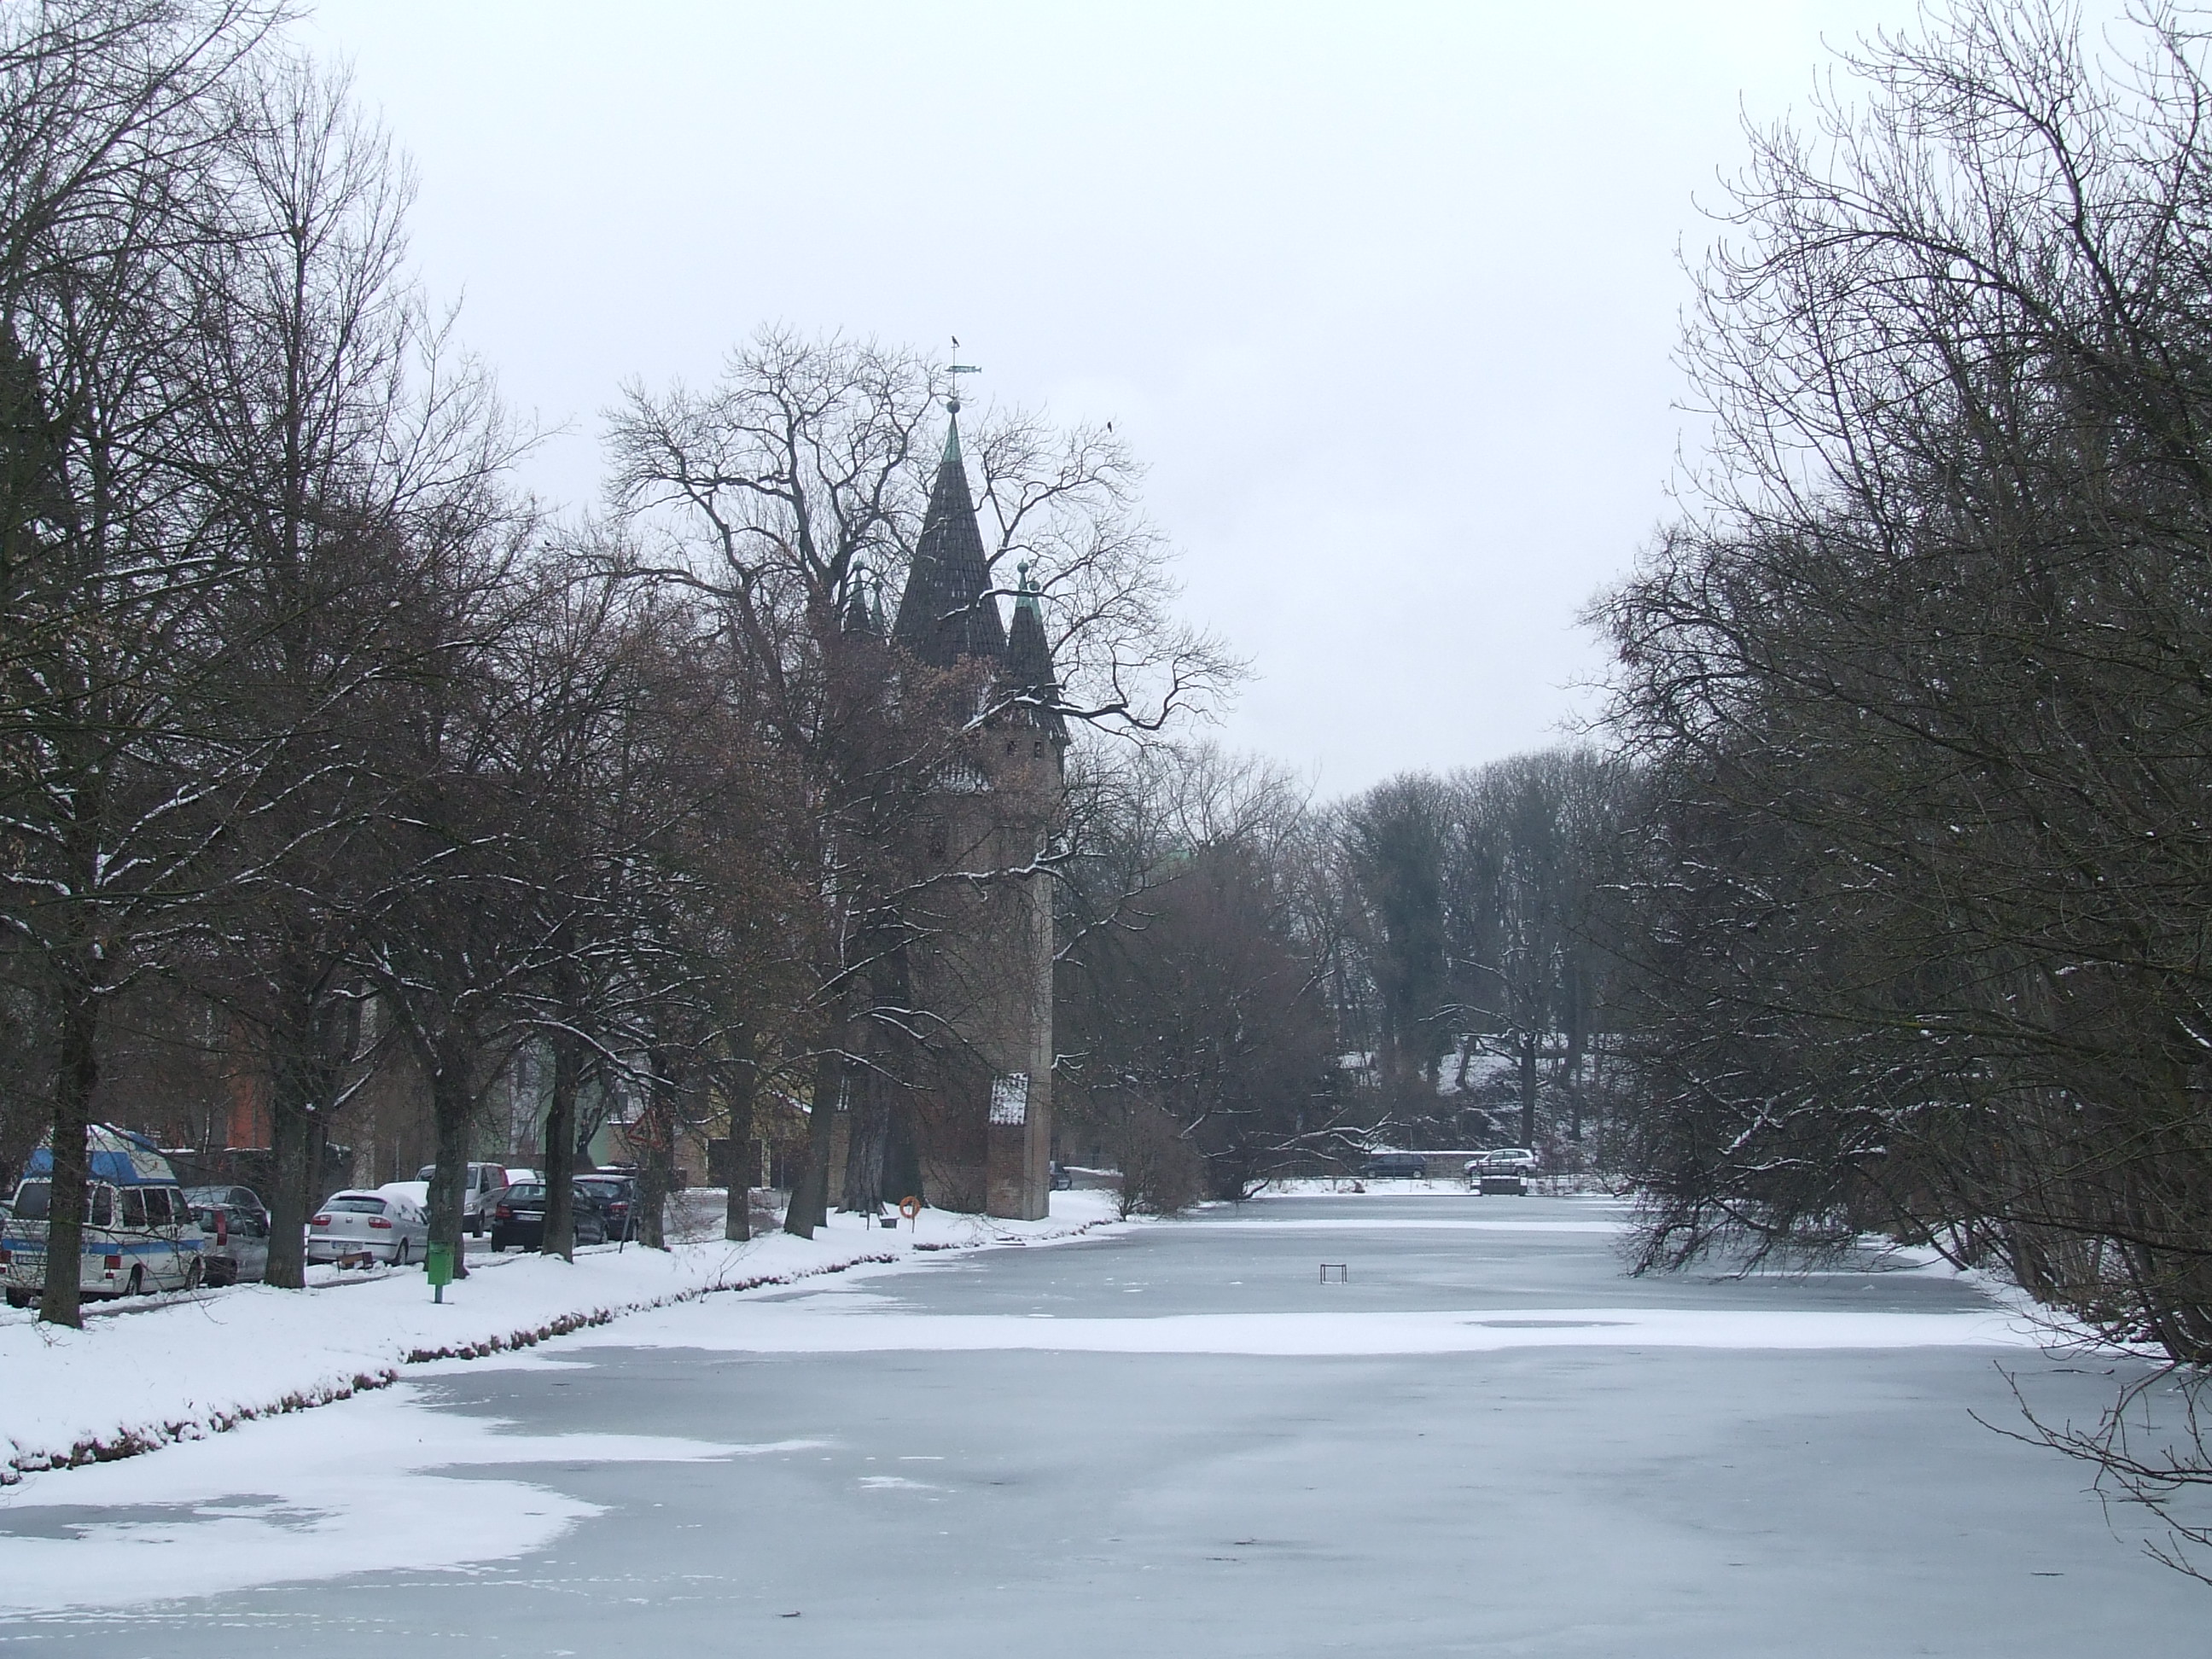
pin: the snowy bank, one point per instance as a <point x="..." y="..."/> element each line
<point x="188" y="1366"/>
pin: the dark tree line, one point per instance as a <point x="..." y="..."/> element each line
<point x="1473" y="948"/>
<point x="1919" y="684"/>
<point x="1285" y="985"/>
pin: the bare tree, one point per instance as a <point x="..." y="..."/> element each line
<point x="1919" y="683"/>
<point x="111" y="778"/>
<point x="1194" y="947"/>
<point x="340" y="448"/>
<point x="792" y="494"/>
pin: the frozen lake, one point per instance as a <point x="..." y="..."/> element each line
<point x="1173" y="1439"/>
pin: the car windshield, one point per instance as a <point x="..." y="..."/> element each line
<point x="528" y="1192"/>
<point x="355" y="1204"/>
<point x="601" y="1189"/>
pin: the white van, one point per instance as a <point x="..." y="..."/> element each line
<point x="140" y="1236"/>
<point x="485" y="1183"/>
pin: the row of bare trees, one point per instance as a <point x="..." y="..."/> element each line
<point x="325" y="750"/>
<point x="1198" y="1049"/>
<point x="1290" y="984"/>
<point x="250" y="505"/>
<point x="1473" y="969"/>
<point x="1918" y="686"/>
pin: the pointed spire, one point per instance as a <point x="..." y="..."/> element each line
<point x="947" y="611"/>
<point x="951" y="454"/>
<point x="859" y="617"/>
<point x="1028" y="677"/>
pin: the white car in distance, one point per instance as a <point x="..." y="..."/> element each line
<point x="1502" y="1170"/>
<point x="1504" y="1160"/>
<point x="355" y="1225"/>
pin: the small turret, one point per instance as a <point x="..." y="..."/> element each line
<point x="863" y="611"/>
<point x="1028" y="679"/>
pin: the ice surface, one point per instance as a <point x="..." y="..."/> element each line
<point x="1170" y="1440"/>
<point x="300" y="1496"/>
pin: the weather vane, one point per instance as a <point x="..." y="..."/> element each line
<point x="955" y="370"/>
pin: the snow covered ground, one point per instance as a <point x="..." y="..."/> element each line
<point x="142" y="1374"/>
<point x="1484" y="1440"/>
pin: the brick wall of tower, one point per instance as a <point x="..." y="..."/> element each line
<point x="983" y="977"/>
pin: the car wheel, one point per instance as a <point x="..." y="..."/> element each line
<point x="195" y="1274"/>
<point x="18" y="1298"/>
<point x="138" y="1285"/>
<point x="399" y="1256"/>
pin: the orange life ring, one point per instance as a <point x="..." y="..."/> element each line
<point x="909" y="1206"/>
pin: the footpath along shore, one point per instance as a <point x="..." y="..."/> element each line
<point x="188" y="1365"/>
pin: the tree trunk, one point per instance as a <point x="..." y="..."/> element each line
<point x="61" y="1303"/>
<point x="738" y="1210"/>
<point x="289" y="1198"/>
<point x="810" y="1190"/>
<point x="559" y="1140"/>
<point x="902" y="1172"/>
<point x="451" y="1104"/>
<point x="655" y="1142"/>
<point x="1527" y="1058"/>
<point x="867" y="1129"/>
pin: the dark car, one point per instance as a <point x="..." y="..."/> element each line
<point x="617" y="1200"/>
<point x="1395" y="1165"/>
<point x="519" y="1217"/>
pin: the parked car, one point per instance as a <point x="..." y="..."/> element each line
<point x="235" y="1199"/>
<point x="519" y="1218"/>
<point x="1503" y="1172"/>
<point x="617" y="1200"/>
<point x="245" y="1197"/>
<point x="485" y="1182"/>
<point x="234" y="1238"/>
<point x="139" y="1235"/>
<point x="379" y="1226"/>
<point x="1502" y="1160"/>
<point x="1388" y="1166"/>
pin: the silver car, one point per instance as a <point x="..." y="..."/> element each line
<point x="353" y="1226"/>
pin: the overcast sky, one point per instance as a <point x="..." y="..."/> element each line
<point x="1385" y="296"/>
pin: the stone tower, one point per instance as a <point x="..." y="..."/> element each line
<point x="980" y="951"/>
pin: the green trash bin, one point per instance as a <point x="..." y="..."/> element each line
<point x="440" y="1263"/>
